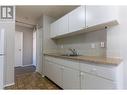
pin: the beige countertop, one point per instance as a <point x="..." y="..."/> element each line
<point x="95" y="59"/>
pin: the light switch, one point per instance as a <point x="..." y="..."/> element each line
<point x="92" y="45"/>
<point x="61" y="46"/>
<point x="102" y="44"/>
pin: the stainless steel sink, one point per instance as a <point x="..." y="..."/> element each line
<point x="73" y="53"/>
<point x="70" y="55"/>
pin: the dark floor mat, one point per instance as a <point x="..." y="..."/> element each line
<point x="23" y="70"/>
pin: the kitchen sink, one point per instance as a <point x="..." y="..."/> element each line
<point x="74" y="53"/>
<point x="70" y="55"/>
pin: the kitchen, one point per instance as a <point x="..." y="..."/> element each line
<point x="83" y="48"/>
<point x="82" y="61"/>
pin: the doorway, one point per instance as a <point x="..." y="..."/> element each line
<point x="23" y="50"/>
<point x="28" y="48"/>
<point x="37" y="49"/>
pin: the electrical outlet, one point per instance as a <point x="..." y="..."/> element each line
<point x="102" y="44"/>
<point x="61" y="46"/>
<point x="93" y="45"/>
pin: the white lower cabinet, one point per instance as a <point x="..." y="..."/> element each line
<point x="71" y="79"/>
<point x="57" y="72"/>
<point x="53" y="72"/>
<point x="48" y="69"/>
<point x="89" y="81"/>
<point x="62" y="75"/>
<point x="76" y="75"/>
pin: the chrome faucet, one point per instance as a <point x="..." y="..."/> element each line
<point x="74" y="52"/>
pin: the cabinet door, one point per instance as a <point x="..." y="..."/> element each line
<point x="48" y="69"/>
<point x="53" y="72"/>
<point x="77" y="19"/>
<point x="63" y="25"/>
<point x="59" y="27"/>
<point x="100" y="14"/>
<point x="89" y="81"/>
<point x="54" y="28"/>
<point x="2" y="72"/>
<point x="71" y="79"/>
<point x="57" y="74"/>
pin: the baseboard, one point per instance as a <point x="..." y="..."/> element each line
<point x="36" y="71"/>
<point x="9" y="84"/>
<point x="43" y="76"/>
<point x="27" y="65"/>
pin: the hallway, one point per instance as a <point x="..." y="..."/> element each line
<point x="27" y="78"/>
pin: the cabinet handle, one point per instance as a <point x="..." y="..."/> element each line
<point x="94" y="71"/>
<point x="62" y="68"/>
<point x="82" y="75"/>
<point x="87" y="26"/>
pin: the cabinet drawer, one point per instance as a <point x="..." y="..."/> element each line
<point x="89" y="81"/>
<point x="64" y="62"/>
<point x="108" y="72"/>
<point x="52" y="59"/>
<point x="70" y="63"/>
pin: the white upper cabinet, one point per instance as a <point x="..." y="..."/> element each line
<point x="54" y="28"/>
<point x="63" y="25"/>
<point x="89" y="18"/>
<point x="96" y="15"/>
<point x="77" y="19"/>
<point x="59" y="27"/>
<point x="53" y="72"/>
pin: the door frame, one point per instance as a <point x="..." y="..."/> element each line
<point x="39" y="49"/>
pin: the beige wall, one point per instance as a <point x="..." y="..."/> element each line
<point x="48" y="44"/>
<point x="82" y="43"/>
<point x="27" y="44"/>
<point x="117" y="40"/>
<point x="39" y="50"/>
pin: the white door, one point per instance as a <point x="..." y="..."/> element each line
<point x="89" y="81"/>
<point x="71" y="79"/>
<point x="18" y="48"/>
<point x="2" y="40"/>
<point x="34" y="48"/>
<point x="2" y="55"/>
<point x="1" y="71"/>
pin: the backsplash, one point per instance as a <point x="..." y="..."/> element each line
<point x="86" y="44"/>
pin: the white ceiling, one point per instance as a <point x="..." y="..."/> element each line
<point x="31" y="14"/>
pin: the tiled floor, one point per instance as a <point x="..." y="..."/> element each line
<point x="32" y="80"/>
